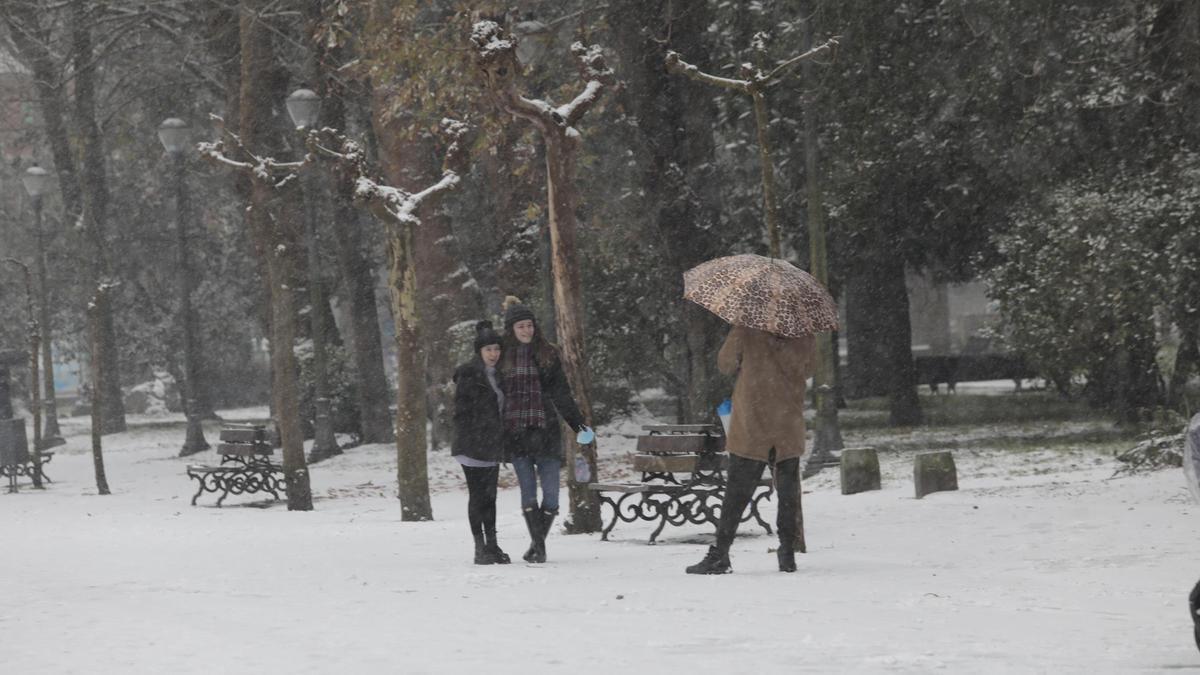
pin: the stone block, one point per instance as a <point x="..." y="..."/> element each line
<point x="934" y="472"/>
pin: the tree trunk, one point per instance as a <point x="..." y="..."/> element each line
<point x="827" y="436"/>
<point x="904" y="408"/>
<point x="880" y="339"/>
<point x="568" y="305"/>
<point x="366" y="345"/>
<point x="412" y="411"/>
<point x="1136" y="389"/>
<point x="276" y="237"/>
<point x="412" y="472"/>
<point x="674" y="123"/>
<point x="866" y="370"/>
<point x="95" y="311"/>
<point x="95" y="212"/>
<point x="444" y="298"/>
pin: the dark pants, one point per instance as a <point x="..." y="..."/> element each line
<point x="740" y="483"/>
<point x="481" y="499"/>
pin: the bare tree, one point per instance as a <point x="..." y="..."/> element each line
<point x="755" y="81"/>
<point x="273" y="219"/>
<point x="396" y="208"/>
<point x="495" y="54"/>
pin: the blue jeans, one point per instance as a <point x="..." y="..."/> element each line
<point x="529" y="470"/>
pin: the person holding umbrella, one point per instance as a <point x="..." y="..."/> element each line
<point x="775" y="310"/>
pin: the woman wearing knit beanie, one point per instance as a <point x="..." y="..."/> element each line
<point x="478" y="403"/>
<point x="536" y="394"/>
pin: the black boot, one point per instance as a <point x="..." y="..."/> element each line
<point x="715" y="561"/>
<point x="547" y="520"/>
<point x="482" y="556"/>
<point x="787" y="558"/>
<point x="533" y="521"/>
<point x="492" y="548"/>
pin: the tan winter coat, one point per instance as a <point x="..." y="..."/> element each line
<point x="768" y="398"/>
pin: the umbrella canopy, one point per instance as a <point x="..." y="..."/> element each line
<point x="762" y="293"/>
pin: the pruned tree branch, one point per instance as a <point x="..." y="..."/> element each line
<point x="771" y="78"/>
<point x="755" y="80"/>
<point x="389" y="204"/>
<point x="676" y="64"/>
<point x="266" y="169"/>
<point x="495" y="54"/>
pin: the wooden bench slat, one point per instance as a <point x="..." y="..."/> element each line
<point x="205" y="468"/>
<point x="617" y="487"/>
<point x="243" y="435"/>
<point x="711" y="429"/>
<point x="681" y="443"/>
<point x="666" y="463"/>
<point x="244" y="449"/>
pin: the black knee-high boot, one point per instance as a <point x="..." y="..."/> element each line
<point x="787" y="490"/>
<point x="477" y="499"/>
<point x="533" y="521"/>
<point x="548" y="516"/>
<point x="739" y="489"/>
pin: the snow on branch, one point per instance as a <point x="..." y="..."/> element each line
<point x="495" y="54"/>
<point x="390" y="204"/>
<point x="772" y="77"/>
<point x="676" y="64"/>
<point x="754" y="79"/>
<point x="491" y="44"/>
<point x="595" y="71"/>
<point x="266" y="169"/>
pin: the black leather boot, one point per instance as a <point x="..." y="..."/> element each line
<point x="547" y="519"/>
<point x="492" y="548"/>
<point x="533" y="521"/>
<point x="482" y="556"/>
<point x="715" y="561"/>
<point x="787" y="558"/>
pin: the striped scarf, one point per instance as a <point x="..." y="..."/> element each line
<point x="523" y="393"/>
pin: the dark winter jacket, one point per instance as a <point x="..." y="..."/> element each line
<point x="478" y="432"/>
<point x="557" y="400"/>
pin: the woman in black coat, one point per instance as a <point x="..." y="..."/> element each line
<point x="536" y="394"/>
<point x="478" y="403"/>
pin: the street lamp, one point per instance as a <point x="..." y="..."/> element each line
<point x="36" y="180"/>
<point x="36" y="404"/>
<point x="174" y="133"/>
<point x="303" y="106"/>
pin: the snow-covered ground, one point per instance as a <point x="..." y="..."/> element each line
<point x="1039" y="563"/>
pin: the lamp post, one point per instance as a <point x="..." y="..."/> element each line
<point x="303" y="106"/>
<point x="173" y="133"/>
<point x="36" y="404"/>
<point x="36" y="180"/>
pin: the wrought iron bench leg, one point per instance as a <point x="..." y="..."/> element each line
<point x="663" y="511"/>
<point x="605" y="499"/>
<point x="755" y="513"/>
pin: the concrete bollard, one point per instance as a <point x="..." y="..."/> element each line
<point x="934" y="472"/>
<point x="860" y="470"/>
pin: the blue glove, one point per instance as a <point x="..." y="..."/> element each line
<point x="585" y="436"/>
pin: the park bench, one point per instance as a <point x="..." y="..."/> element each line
<point x="245" y="465"/>
<point x="15" y="460"/>
<point x="683" y="481"/>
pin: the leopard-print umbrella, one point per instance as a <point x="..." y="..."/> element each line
<point x="763" y="293"/>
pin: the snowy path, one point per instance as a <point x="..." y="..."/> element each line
<point x="1052" y="570"/>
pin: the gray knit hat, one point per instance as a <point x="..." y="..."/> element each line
<point x="515" y="311"/>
